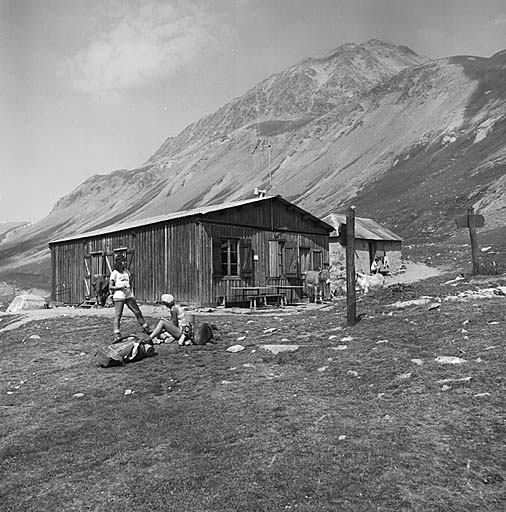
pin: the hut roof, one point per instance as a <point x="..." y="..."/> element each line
<point x="366" y="229"/>
<point x="196" y="212"/>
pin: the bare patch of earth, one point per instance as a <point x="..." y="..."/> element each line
<point x="415" y="272"/>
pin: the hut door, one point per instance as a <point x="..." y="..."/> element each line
<point x="109" y="263"/>
<point x="372" y="253"/>
<point x="93" y="266"/>
<point x="87" y="276"/>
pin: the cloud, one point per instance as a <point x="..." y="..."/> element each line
<point x="152" y="41"/>
<point x="499" y="20"/>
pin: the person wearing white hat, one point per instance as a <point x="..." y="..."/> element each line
<point x="174" y="326"/>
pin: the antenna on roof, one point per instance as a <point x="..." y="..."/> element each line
<point x="270" y="171"/>
<point x="260" y="145"/>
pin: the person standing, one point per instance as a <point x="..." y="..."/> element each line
<point x="119" y="284"/>
<point x="173" y="326"/>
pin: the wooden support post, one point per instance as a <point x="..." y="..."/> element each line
<point x="351" y="294"/>
<point x="474" y="240"/>
<point x="472" y="221"/>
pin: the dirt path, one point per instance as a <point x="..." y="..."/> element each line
<point x="13" y="321"/>
<point x="414" y="272"/>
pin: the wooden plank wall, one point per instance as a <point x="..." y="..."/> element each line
<point x="167" y="259"/>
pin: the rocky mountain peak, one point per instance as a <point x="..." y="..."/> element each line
<point x="307" y="90"/>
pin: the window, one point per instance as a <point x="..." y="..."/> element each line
<point x="276" y="258"/>
<point x="291" y="261"/>
<point x="229" y="258"/>
<point x="232" y="257"/>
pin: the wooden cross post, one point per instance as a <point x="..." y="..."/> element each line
<point x="351" y="294"/>
<point x="474" y="240"/>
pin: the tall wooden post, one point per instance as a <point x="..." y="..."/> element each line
<point x="351" y="294"/>
<point x="474" y="240"/>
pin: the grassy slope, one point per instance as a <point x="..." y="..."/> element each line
<point x="208" y="430"/>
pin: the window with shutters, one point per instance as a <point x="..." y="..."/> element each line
<point x="229" y="258"/>
<point x="232" y="257"/>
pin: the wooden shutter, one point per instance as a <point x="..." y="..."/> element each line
<point x="245" y="257"/>
<point x="217" y="257"/>
<point x="273" y="258"/>
<point x="317" y="260"/>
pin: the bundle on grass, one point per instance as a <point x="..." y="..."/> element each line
<point x="126" y="350"/>
<point x="206" y="333"/>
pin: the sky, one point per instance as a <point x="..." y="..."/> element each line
<point x="91" y="86"/>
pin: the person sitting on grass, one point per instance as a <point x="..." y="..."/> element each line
<point x="119" y="284"/>
<point x="172" y="328"/>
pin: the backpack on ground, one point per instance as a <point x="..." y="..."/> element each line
<point x="127" y="349"/>
<point x="206" y="333"/>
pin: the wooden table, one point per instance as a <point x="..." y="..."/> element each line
<point x="251" y="290"/>
<point x="254" y="293"/>
<point x="288" y="288"/>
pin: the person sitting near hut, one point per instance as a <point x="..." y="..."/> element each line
<point x="376" y="265"/>
<point x="119" y="284"/>
<point x="173" y="328"/>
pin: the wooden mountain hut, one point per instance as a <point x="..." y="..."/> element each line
<point x="200" y="256"/>
<point x="371" y="240"/>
